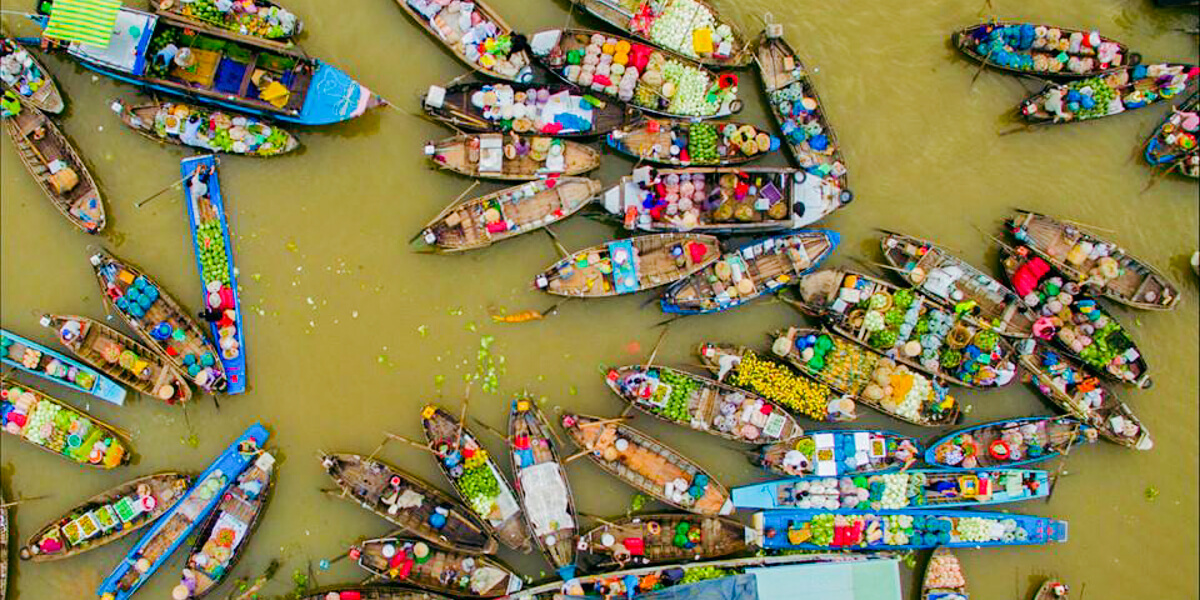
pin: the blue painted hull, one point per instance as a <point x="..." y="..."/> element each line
<point x="105" y="389"/>
<point x="931" y="450"/>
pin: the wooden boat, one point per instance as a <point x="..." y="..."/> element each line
<point x="540" y="477"/>
<point x="1117" y="92"/>
<point x="36" y="359"/>
<point x="122" y="357"/>
<point x="630" y="265"/>
<point x="466" y="463"/>
<point x="408" y="502"/>
<point x="1174" y="143"/>
<point x="648" y="465"/>
<point x="479" y="222"/>
<point x="943" y="577"/>
<point x="3" y="547"/>
<point x="743" y="368"/>
<point x="159" y="320"/>
<point x="487" y="107"/>
<point x="684" y="143"/>
<point x="801" y="530"/>
<point x="764" y="266"/>
<point x="948" y="280"/>
<point x="214" y="262"/>
<point x="934" y="488"/>
<point x="70" y="187"/>
<point x="45" y="98"/>
<point x="410" y="561"/>
<point x="364" y="592"/>
<point x="1052" y="589"/>
<point x="1032" y="49"/>
<point x="166" y="122"/>
<point x="171" y="530"/>
<point x="806" y="130"/>
<point x="906" y="326"/>
<point x="223" y="537"/>
<point x="642" y="82"/>
<point x="727" y="49"/>
<point x="1115" y="356"/>
<point x="74" y="434"/>
<point x="1118" y="276"/>
<point x="1009" y="443"/>
<point x="106" y="517"/>
<point x="702" y="404"/>
<point x="442" y="22"/>
<point x="488" y="156"/>
<point x="839" y="452"/>
<point x="663" y="538"/>
<point x="268" y="21"/>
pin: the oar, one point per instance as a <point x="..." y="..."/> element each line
<point x="23" y="500"/>
<point x="576" y="455"/>
<point x="142" y="202"/>
<point x="400" y="438"/>
<point x="492" y="430"/>
<point x="462" y="416"/>
<point x="596" y="518"/>
<point x="653" y="353"/>
<point x="602" y="422"/>
<point x="562" y="252"/>
<point x="995" y="239"/>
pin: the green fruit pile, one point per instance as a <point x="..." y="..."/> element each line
<point x="682" y="388"/>
<point x="821" y="527"/>
<point x="778" y="383"/>
<point x="695" y="574"/>
<point x="477" y="482"/>
<point x="210" y="247"/>
<point x="702" y="143"/>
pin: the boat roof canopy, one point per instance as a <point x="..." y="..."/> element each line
<point x="84" y="21"/>
<point x="126" y="49"/>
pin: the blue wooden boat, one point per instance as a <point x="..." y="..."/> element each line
<point x="838" y="452"/>
<point x="214" y="260"/>
<point x="915" y="488"/>
<point x="1009" y="443"/>
<point x="36" y="359"/>
<point x="169" y="531"/>
<point x="901" y="530"/>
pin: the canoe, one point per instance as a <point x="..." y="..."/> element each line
<point x="223" y="537"/>
<point x="1032" y="49"/>
<point x="106" y="517"/>
<point x="70" y="188"/>
<point x="1096" y="339"/>
<point x="684" y="143"/>
<point x="943" y="578"/>
<point x="923" y="336"/>
<point x="553" y="109"/>
<point x="36" y="359"/>
<point x="364" y="592"/>
<point x="170" y="531"/>
<point x="760" y="374"/>
<point x="663" y="538"/>
<point x="1009" y="443"/>
<point x="213" y="248"/>
<point x="408" y="502"/>
<point x="446" y="25"/>
<point x="798" y="111"/>
<point x="839" y="452"/>
<point x="540" y="477"/>
<point x="74" y="434"/>
<point x="120" y="356"/>
<point x="1173" y="144"/>
<point x="1117" y="92"/>
<point x="948" y="280"/>
<point x="642" y="81"/>
<point x="1097" y="263"/>
<point x="902" y="530"/>
<point x="864" y="376"/>
<point x="268" y="20"/>
<point x="647" y="465"/>
<point x="393" y="560"/>
<point x="700" y="403"/>
<point x="1052" y="589"/>
<point x="934" y="488"/>
<point x="45" y="97"/>
<point x="473" y="223"/>
<point x="160" y="320"/>
<point x="712" y="39"/>
<point x="496" y="156"/>
<point x="225" y="70"/>
<point x="167" y="122"/>
<point x="629" y="265"/>
<point x="476" y="477"/>
<point x="761" y="267"/>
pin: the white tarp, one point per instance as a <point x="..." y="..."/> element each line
<point x="545" y="498"/>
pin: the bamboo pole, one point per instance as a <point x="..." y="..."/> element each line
<point x="400" y="438"/>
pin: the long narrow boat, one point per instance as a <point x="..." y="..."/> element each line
<point x="630" y="265"/>
<point x="901" y="530"/>
<point x="170" y="531"/>
<point x="3" y="546"/>
<point x="744" y="368"/>
<point x="479" y="222"/>
<point x="1094" y="262"/>
<point x="648" y="465"/>
<point x="663" y="538"/>
<point x="410" y="561"/>
<point x="684" y="143"/>
<point x="255" y="19"/>
<point x="943" y="578"/>
<point x="722" y="200"/>
<point x="798" y="111"/>
<point x="106" y="517"/>
<point x="160" y="320"/>
<point x="1043" y="50"/>
<point x="909" y="489"/>
<point x="839" y="452"/>
<point x="952" y="282"/>
<point x="652" y="80"/>
<point x="476" y="477"/>
<point x="1052" y="589"/>
<point x="692" y="29"/>
<point x="463" y="30"/>
<point x="1173" y="144"/>
<point x="36" y="359"/>
<point x="553" y="109"/>
<point x="122" y="357"/>
<point x="32" y="83"/>
<point x="214" y="261"/>
<point x="1009" y="443"/>
<point x="540" y="477"/>
<point x="1101" y="96"/>
<point x="365" y="592"/>
<point x="196" y="126"/>
<point x="512" y="158"/>
<point x="702" y="404"/>
<point x="57" y="428"/>
<point x="758" y="268"/>
<point x="408" y="502"/>
<point x="56" y="166"/>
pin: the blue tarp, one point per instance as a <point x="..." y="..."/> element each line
<point x="738" y="587"/>
<point x="860" y="580"/>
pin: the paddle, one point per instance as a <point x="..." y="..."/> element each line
<point x="400" y="438"/>
<point x="23" y="500"/>
<point x="174" y="184"/>
<point x="562" y="252"/>
<point x="492" y="430"/>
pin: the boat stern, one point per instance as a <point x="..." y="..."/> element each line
<point x="334" y="97"/>
<point x="754" y="533"/>
<point x="1056" y="531"/>
<point x="759" y="495"/>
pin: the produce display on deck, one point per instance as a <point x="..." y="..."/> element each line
<point x="534" y="110"/>
<point x="1127" y="89"/>
<point x="206" y="128"/>
<point x="778" y="383"/>
<point x="695" y="143"/>
<point x="247" y="17"/>
<point x="882" y="530"/>
<point x="58" y="428"/>
<point x="684" y="26"/>
<point x="1043" y="50"/>
<point x="22" y="74"/>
